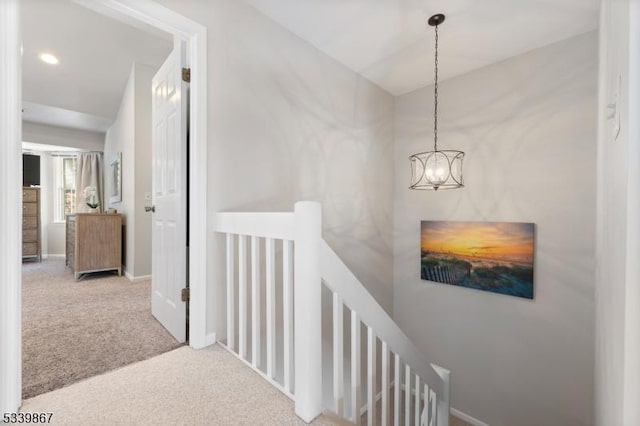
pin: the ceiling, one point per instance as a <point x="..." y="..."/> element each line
<point x="386" y="41"/>
<point x="389" y="42"/>
<point x="96" y="54"/>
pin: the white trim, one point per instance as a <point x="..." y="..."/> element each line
<point x="631" y="389"/>
<point x="210" y="339"/>
<point x="467" y="418"/>
<point x="264" y="225"/>
<point x="10" y="195"/>
<point x="136" y="279"/>
<point x="162" y="18"/>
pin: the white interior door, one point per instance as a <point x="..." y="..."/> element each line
<point x="169" y="252"/>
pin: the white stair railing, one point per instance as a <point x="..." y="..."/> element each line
<point x="409" y="390"/>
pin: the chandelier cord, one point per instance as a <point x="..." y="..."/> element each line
<point x="435" y="97"/>
<point x="436" y="169"/>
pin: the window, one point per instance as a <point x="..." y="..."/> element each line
<point x="64" y="171"/>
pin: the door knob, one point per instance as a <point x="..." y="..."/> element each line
<point x="151" y="209"/>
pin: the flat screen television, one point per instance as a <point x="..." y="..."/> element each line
<point x="30" y="170"/>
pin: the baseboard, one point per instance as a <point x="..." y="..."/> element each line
<point x="53" y="256"/>
<point x="136" y="279"/>
<point x="459" y="414"/>
<point x="467" y="418"/>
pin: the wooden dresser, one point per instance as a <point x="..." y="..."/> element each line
<point x="31" y="224"/>
<point x="94" y="243"/>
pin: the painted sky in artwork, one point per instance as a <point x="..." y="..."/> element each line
<point x="503" y="241"/>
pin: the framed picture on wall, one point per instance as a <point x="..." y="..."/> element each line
<point x="489" y="256"/>
<point x="116" y="179"/>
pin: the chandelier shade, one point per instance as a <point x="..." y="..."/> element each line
<point x="440" y="168"/>
<point x="433" y="170"/>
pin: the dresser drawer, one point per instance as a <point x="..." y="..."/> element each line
<point x="29" y="249"/>
<point x="30" y="236"/>
<point x="29" y="209"/>
<point x="29" y="195"/>
<point x="29" y="222"/>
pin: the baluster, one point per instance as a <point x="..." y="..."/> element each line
<point x="338" y="354"/>
<point x="355" y="368"/>
<point x="407" y="396"/>
<point x="230" y="292"/>
<point x="424" y="419"/>
<point x="371" y="377"/>
<point x="271" y="306"/>
<point x="255" y="301"/>
<point x="417" y="401"/>
<point x="396" y="390"/>
<point x="242" y="295"/>
<point x="287" y="295"/>
<point x="434" y="408"/>
<point x="384" y="412"/>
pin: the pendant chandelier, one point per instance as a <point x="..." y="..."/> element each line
<point x="440" y="168"/>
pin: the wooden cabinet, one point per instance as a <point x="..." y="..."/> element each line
<point x="31" y="248"/>
<point x="94" y="243"/>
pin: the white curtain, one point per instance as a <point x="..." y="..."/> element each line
<point x="89" y="174"/>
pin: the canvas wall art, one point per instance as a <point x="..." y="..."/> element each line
<point x="490" y="256"/>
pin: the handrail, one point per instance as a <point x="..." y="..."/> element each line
<point x="264" y="225"/>
<point x="339" y="278"/>
<point x="308" y="263"/>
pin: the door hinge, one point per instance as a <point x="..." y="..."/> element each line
<point x="186" y="75"/>
<point x="185" y="295"/>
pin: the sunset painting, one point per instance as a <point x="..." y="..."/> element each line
<point x="489" y="256"/>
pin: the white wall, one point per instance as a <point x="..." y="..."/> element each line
<point x="131" y="135"/>
<point x="618" y="269"/>
<point x="121" y="138"/>
<point x="287" y="123"/>
<point x="62" y="136"/>
<point x="143" y="131"/>
<point x="528" y="126"/>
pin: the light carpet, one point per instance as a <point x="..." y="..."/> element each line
<point x="182" y="387"/>
<point x="77" y="329"/>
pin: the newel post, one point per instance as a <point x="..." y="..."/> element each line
<point x="307" y="310"/>
<point x="444" y="406"/>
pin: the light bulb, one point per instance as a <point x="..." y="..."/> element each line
<point x="437" y="168"/>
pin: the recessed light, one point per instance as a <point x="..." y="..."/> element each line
<point x="49" y="59"/>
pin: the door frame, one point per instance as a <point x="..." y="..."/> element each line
<point x="161" y="18"/>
